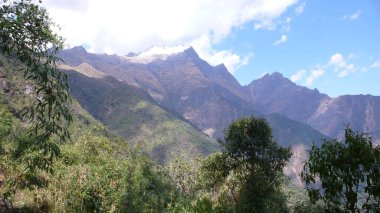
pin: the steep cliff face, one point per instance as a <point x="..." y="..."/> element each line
<point x="360" y="112"/>
<point x="210" y="97"/>
<point x="207" y="96"/>
<point x="276" y="94"/>
<point x="132" y="113"/>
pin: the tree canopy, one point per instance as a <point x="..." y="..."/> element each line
<point x="26" y="36"/>
<point x="345" y="175"/>
<point x="27" y="39"/>
<point x="251" y="166"/>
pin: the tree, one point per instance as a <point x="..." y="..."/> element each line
<point x="26" y="37"/>
<point x="256" y="163"/>
<point x="345" y="175"/>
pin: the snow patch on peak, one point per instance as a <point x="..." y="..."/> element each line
<point x="159" y="51"/>
<point x="156" y="53"/>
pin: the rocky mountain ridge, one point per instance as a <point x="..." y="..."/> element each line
<point x="133" y="114"/>
<point x="276" y="94"/>
<point x="210" y="97"/>
<point x="181" y="82"/>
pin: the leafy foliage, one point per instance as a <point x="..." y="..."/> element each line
<point x="97" y="172"/>
<point x="26" y="36"/>
<point x="250" y="168"/>
<point x="5" y="124"/>
<point x="345" y="176"/>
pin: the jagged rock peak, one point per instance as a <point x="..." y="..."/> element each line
<point x="221" y="66"/>
<point x="78" y="49"/>
<point x="274" y="76"/>
<point x="191" y="52"/>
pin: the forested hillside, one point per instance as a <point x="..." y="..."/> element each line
<point x="97" y="171"/>
<point x="133" y="114"/>
<point x="73" y="139"/>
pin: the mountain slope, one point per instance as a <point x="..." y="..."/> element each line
<point x="360" y="112"/>
<point x="289" y="132"/>
<point x="180" y="82"/>
<point x="133" y="114"/>
<point x="209" y="97"/>
<point x="276" y="94"/>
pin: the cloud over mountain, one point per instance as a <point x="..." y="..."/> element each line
<point x="117" y="26"/>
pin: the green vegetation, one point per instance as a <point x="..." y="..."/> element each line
<point x="256" y="162"/>
<point x="27" y="39"/>
<point x="345" y="176"/>
<point x="97" y="171"/>
<point x="133" y="114"/>
<point x="26" y="36"/>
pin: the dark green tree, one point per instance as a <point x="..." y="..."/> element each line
<point x="27" y="38"/>
<point x="256" y="163"/>
<point x="345" y="175"/>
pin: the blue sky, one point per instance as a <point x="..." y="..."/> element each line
<point x="330" y="45"/>
<point x="348" y="28"/>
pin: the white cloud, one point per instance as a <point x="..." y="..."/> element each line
<point x="353" y="16"/>
<point x="300" y="8"/>
<point x="120" y="26"/>
<point x="231" y="60"/>
<point x="337" y="64"/>
<point x="284" y="25"/>
<point x="376" y="64"/>
<point x="281" y="40"/>
<point x="298" y="75"/>
<point x="337" y="60"/>
<point x="315" y="74"/>
<point x="340" y="65"/>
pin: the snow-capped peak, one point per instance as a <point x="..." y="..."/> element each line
<point x="156" y="50"/>
<point x="155" y="53"/>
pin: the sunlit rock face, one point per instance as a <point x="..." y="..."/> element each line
<point x="210" y="98"/>
<point x="276" y="94"/>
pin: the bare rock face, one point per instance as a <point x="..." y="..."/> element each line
<point x="276" y="94"/>
<point x="360" y="112"/>
<point x="130" y="112"/>
<point x="210" y="97"/>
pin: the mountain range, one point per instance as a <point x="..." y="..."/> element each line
<point x="176" y="102"/>
<point x="276" y="94"/>
<point x="210" y="97"/>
